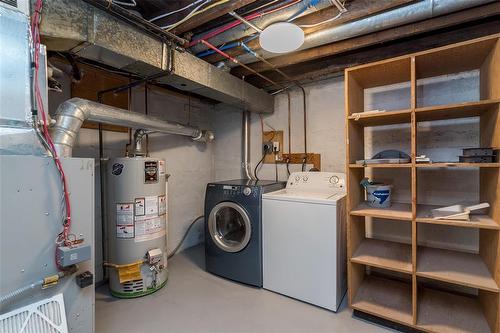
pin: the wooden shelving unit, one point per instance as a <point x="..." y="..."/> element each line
<point x="383" y="254"/>
<point x="417" y="289"/>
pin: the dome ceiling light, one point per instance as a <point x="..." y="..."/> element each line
<point x="281" y="37"/>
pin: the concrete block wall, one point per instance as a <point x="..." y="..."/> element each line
<point x="441" y="140"/>
<point x="193" y="165"/>
<point x="190" y="164"/>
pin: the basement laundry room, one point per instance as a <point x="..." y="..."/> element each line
<point x="249" y="166"/>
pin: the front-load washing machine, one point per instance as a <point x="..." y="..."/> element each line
<point x="233" y="228"/>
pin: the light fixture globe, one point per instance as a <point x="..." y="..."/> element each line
<point x="281" y="37"/>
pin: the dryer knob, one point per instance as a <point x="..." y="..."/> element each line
<point x="247" y="191"/>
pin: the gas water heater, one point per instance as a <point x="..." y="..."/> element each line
<point x="137" y="226"/>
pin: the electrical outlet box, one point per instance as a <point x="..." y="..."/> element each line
<point x="276" y="146"/>
<point x="71" y="255"/>
<point x="275" y="140"/>
<point x="267" y="148"/>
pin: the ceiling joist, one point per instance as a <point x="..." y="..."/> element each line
<point x="356" y="10"/>
<point x="210" y="15"/>
<point x="395" y="42"/>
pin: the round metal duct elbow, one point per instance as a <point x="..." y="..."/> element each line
<point x="72" y="113"/>
<point x="69" y="119"/>
<point x="205" y="136"/>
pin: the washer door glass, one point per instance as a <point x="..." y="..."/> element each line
<point x="229" y="227"/>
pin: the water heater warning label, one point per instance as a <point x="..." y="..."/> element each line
<point x="140" y="206"/>
<point x="124" y="220"/>
<point x="151" y="205"/>
<point x="162" y="205"/>
<point x="124" y="231"/>
<point x="124" y="214"/>
<point x="161" y="167"/>
<point x="149" y="228"/>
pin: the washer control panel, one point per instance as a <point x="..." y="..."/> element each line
<point x="247" y="191"/>
<point x="316" y="181"/>
<point x="235" y="190"/>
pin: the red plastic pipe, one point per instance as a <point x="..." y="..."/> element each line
<point x="237" y="22"/>
<point x="233" y="59"/>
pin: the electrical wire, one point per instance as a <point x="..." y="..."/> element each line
<point x="238" y="22"/>
<point x="336" y="17"/>
<point x="276" y="166"/>
<point x="257" y="166"/>
<point x="176" y="11"/>
<point x="196" y="12"/>
<point x="187" y="17"/>
<point x="132" y="3"/>
<point x="35" y="35"/>
<point x="171" y="254"/>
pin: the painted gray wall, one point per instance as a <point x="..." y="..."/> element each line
<point x="441" y="140"/>
<point x="193" y="165"/>
<point x="190" y="164"/>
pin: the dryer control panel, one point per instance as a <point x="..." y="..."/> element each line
<point x="316" y="181"/>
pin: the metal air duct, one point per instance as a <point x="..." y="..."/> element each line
<point x="76" y="27"/>
<point x="72" y="113"/>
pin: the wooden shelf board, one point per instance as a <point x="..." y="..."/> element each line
<point x="458" y="58"/>
<point x="461" y="268"/>
<point x="384" y="72"/>
<point x="398" y="211"/>
<point x="452" y="111"/>
<point x="380" y="165"/>
<point x="477" y="221"/>
<point x="388" y="255"/>
<point x="449" y="313"/>
<point x="382" y="118"/>
<point x="457" y="165"/>
<point x="385" y="298"/>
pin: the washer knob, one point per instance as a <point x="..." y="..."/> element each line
<point x="297" y="178"/>
<point x="334" y="179"/>
<point x="305" y="178"/>
<point x="247" y="191"/>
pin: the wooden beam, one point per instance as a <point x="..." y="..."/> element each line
<point x="211" y="15"/>
<point x="335" y="65"/>
<point x="376" y="38"/>
<point x="356" y="9"/>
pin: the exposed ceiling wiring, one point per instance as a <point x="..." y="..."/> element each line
<point x="235" y="23"/>
<point x="195" y="12"/>
<point x="176" y="11"/>
<point x="132" y="3"/>
<point x="322" y="22"/>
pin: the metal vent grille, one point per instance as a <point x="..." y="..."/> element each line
<point x="10" y="2"/>
<point x="47" y="316"/>
<point x="133" y="286"/>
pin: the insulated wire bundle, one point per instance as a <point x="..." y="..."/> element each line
<point x="132" y="3"/>
<point x="176" y="11"/>
<point x="194" y="12"/>
<point x="63" y="237"/>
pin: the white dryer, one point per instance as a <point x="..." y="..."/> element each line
<point x="304" y="239"/>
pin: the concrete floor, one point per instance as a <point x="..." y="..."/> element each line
<point x="196" y="301"/>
